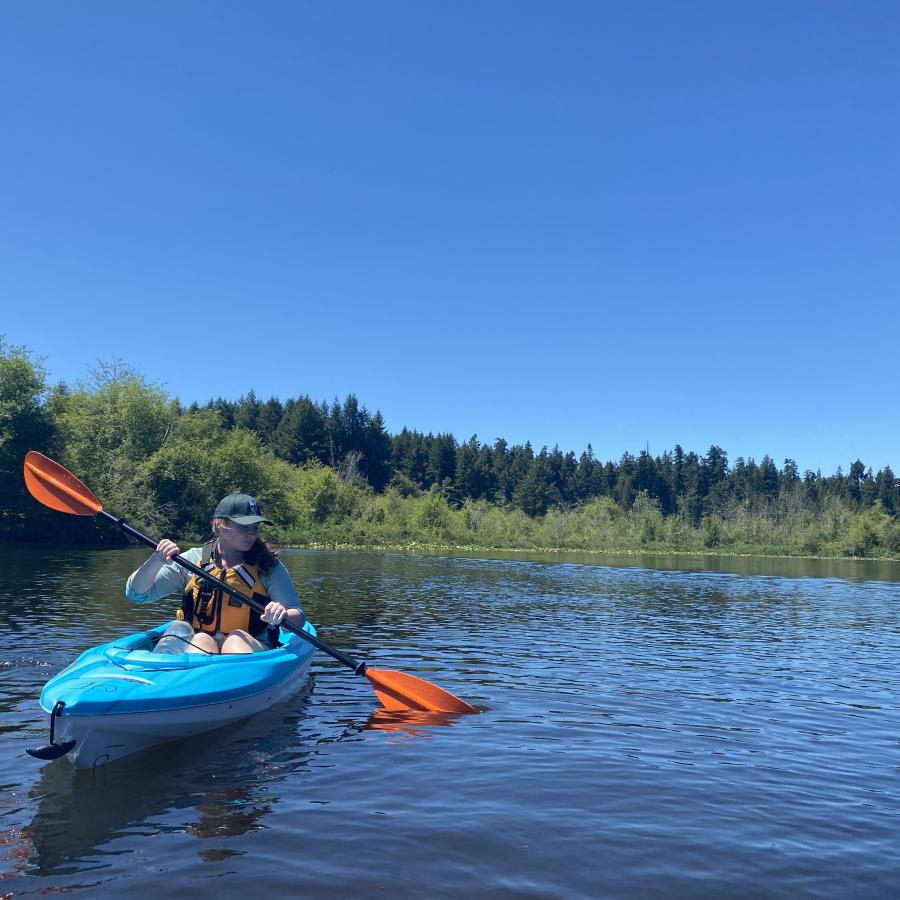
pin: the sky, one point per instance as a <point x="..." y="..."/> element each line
<point x="633" y="225"/>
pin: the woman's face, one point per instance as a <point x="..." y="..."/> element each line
<point x="237" y="537"/>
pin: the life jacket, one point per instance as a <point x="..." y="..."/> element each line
<point x="208" y="608"/>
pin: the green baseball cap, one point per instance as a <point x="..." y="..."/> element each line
<point x="240" y="508"/>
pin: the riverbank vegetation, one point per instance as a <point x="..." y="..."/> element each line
<point x="331" y="474"/>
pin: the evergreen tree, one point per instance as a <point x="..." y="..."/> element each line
<point x="246" y="414"/>
<point x="537" y="492"/>
<point x="441" y="459"/>
<point x="768" y="479"/>
<point x="588" y="479"/>
<point x="503" y="474"/>
<point x="268" y="419"/>
<point x="689" y="502"/>
<point x="376" y="453"/>
<point x="868" y="490"/>
<point x="646" y="478"/>
<point x="855" y="481"/>
<point x="811" y="482"/>
<point x="302" y="434"/>
<point x="408" y="456"/>
<point x="474" y="476"/>
<point x="226" y="410"/>
<point x="625" y="492"/>
<point x="713" y="476"/>
<point x="678" y="471"/>
<point x="887" y="490"/>
<point x="789" y="476"/>
<point x="520" y="460"/>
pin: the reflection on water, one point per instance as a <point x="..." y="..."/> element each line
<point x="780" y="566"/>
<point x="415" y="723"/>
<point x="218" y="785"/>
<point x="227" y="812"/>
<point x="210" y="784"/>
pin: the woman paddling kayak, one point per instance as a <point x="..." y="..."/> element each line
<point x="125" y="696"/>
<point x="210" y="621"/>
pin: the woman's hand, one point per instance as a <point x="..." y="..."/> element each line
<point x="165" y="550"/>
<point x="144" y="578"/>
<point x="273" y="614"/>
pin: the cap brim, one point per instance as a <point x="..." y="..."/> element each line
<point x="248" y="520"/>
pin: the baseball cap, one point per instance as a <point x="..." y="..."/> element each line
<point x="240" y="508"/>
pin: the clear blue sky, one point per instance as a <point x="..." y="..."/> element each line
<point x="628" y="224"/>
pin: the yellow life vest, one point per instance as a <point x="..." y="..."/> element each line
<point x="208" y="608"/>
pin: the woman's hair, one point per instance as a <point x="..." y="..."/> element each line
<point x="260" y="553"/>
<point x="262" y="556"/>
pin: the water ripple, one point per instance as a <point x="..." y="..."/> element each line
<point x="678" y="733"/>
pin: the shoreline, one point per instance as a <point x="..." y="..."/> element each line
<point x="429" y="547"/>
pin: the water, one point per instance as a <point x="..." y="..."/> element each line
<point x="646" y="733"/>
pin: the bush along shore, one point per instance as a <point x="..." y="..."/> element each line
<point x="430" y="522"/>
<point x="331" y="475"/>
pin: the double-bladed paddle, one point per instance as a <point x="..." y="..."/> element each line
<point x="55" y="486"/>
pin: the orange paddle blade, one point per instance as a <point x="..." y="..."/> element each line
<point x="397" y="690"/>
<point x="49" y="483"/>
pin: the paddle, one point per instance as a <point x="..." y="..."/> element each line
<point x="54" y="486"/>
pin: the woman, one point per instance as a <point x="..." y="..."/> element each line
<point x="236" y="555"/>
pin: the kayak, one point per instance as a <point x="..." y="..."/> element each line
<point x="119" y="698"/>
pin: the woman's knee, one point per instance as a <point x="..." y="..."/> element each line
<point x="203" y="643"/>
<point x="241" y="642"/>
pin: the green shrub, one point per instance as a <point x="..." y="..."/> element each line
<point x="432" y="515"/>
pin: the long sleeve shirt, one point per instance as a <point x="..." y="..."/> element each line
<point x="172" y="578"/>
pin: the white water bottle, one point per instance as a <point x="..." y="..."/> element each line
<point x="175" y="638"/>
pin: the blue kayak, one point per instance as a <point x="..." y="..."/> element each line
<point x="119" y="698"/>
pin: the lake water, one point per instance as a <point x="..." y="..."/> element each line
<point x="649" y="729"/>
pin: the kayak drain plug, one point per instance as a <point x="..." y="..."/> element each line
<point x="52" y="750"/>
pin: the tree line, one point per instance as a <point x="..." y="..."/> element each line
<point x="332" y="471"/>
<point x="347" y="435"/>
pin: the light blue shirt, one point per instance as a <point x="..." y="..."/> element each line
<point x="172" y="578"/>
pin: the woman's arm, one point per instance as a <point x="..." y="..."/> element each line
<point x="282" y="593"/>
<point x="159" y="576"/>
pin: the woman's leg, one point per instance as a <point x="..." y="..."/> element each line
<point x="202" y="643"/>
<point x="241" y="642"/>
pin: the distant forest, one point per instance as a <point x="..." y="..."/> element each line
<point x="332" y="473"/>
<point x="346" y="436"/>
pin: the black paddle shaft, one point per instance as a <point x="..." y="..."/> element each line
<point x="358" y="667"/>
